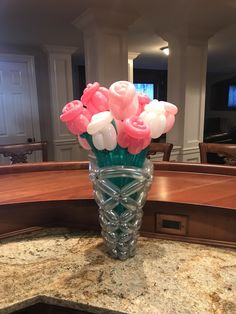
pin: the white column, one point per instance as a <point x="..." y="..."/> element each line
<point x="61" y="91"/>
<point x="105" y="45"/>
<point x="187" y="64"/>
<point x="131" y="57"/>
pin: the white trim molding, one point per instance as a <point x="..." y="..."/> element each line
<point x="180" y="154"/>
<point x="68" y="150"/>
<point x="131" y="57"/>
<point x="190" y="155"/>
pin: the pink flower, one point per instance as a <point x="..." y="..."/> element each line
<point x="170" y="112"/>
<point x="79" y="124"/>
<point x="170" y="107"/>
<point x="71" y="110"/>
<point x="76" y="117"/>
<point x="135" y="135"/>
<point x="84" y="143"/>
<point x="170" y="121"/>
<point x="123" y="100"/>
<point x="95" y="98"/>
<point x="143" y="100"/>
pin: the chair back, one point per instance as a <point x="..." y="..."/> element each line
<point x="226" y="151"/>
<point x="18" y="152"/>
<point x="164" y="148"/>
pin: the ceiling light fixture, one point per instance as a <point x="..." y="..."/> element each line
<point x="165" y="50"/>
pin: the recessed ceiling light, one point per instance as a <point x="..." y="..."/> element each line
<point x="166" y="50"/>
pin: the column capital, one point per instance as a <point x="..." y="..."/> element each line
<point x="59" y="49"/>
<point x="105" y="44"/>
<point x="188" y="34"/>
<point x="104" y="18"/>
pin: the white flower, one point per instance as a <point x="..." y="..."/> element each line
<point x="102" y="131"/>
<point x="154" y="116"/>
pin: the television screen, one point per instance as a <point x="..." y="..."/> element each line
<point x="223" y="95"/>
<point x="146" y="88"/>
<point x="232" y="96"/>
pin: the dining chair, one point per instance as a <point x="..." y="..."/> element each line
<point x="226" y="152"/>
<point x="18" y="152"/>
<point x="164" y="148"/>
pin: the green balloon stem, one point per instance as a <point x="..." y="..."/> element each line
<point x="118" y="157"/>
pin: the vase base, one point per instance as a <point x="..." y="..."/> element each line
<point x="120" y="255"/>
<point x="119" y="249"/>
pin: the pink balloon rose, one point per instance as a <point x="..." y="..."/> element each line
<point x="143" y="100"/>
<point x="71" y="110"/>
<point x="170" y="112"/>
<point x="95" y="98"/>
<point x="170" y="120"/>
<point x="123" y="100"/>
<point x="84" y="143"/>
<point x="170" y="107"/>
<point x="135" y="135"/>
<point x="80" y="123"/>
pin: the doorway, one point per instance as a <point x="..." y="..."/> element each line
<point x="19" y="117"/>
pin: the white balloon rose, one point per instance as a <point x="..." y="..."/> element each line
<point x="154" y="116"/>
<point x="102" y="131"/>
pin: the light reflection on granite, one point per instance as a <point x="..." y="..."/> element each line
<point x="72" y="269"/>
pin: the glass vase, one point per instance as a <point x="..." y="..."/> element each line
<point x="120" y="192"/>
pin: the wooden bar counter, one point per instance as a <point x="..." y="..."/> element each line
<point x="187" y="202"/>
<point x="57" y="270"/>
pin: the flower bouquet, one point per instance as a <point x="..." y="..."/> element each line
<point x="117" y="125"/>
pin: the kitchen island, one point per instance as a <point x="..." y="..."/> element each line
<point x="52" y="259"/>
<point x="71" y="269"/>
<point x="187" y="202"/>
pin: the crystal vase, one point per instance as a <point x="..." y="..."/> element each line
<point x="120" y="192"/>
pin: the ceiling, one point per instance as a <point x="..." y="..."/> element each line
<point x="39" y="22"/>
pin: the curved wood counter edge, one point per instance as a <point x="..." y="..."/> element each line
<point x="158" y="165"/>
<point x="44" y="166"/>
<point x="195" y="167"/>
<point x="203" y="225"/>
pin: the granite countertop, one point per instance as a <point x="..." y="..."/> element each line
<point x="71" y="269"/>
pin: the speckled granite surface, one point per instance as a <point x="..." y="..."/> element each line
<point x="72" y="270"/>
